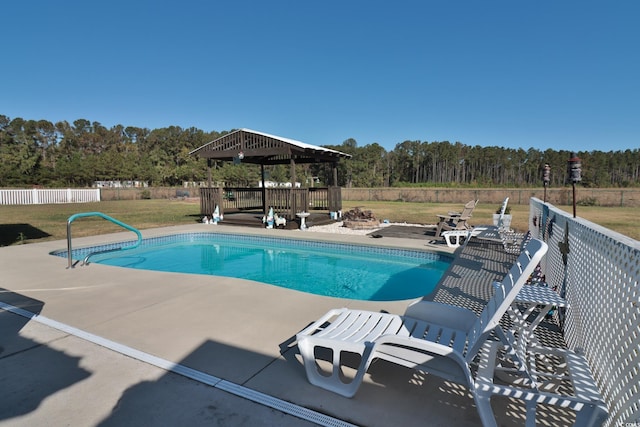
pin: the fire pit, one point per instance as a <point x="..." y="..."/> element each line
<point x="357" y="219"/>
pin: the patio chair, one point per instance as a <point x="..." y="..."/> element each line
<point x="455" y="220"/>
<point x="554" y="377"/>
<point x="482" y="229"/>
<point x="503" y="209"/>
<point x="436" y="338"/>
<point x="512" y="241"/>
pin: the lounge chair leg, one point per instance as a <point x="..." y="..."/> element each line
<point x="530" y="414"/>
<point x="483" y="404"/>
<point x="333" y="382"/>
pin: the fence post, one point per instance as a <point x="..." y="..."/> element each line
<point x="35" y="196"/>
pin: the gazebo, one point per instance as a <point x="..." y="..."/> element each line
<point x="250" y="146"/>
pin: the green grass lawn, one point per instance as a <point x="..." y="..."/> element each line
<point x="37" y="223"/>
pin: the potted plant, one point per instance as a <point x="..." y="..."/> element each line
<point x="506" y="218"/>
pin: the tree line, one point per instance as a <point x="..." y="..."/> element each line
<point x="62" y="154"/>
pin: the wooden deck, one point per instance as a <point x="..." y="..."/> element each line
<point x="254" y="219"/>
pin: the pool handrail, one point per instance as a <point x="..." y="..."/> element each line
<point x="103" y="216"/>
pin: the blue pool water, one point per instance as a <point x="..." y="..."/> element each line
<point x="330" y="269"/>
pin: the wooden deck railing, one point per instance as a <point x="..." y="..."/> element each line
<point x="285" y="201"/>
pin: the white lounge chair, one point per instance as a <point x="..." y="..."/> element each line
<point x="454" y="238"/>
<point x="511" y="240"/>
<point x="436" y="338"/>
<point x="503" y="209"/>
<point x="566" y="383"/>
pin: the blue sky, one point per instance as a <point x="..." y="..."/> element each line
<point x="544" y="74"/>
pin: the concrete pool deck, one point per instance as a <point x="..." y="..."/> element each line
<point x="232" y="330"/>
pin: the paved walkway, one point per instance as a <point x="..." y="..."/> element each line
<point x="229" y="332"/>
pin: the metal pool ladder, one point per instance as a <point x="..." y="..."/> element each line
<point x="108" y="218"/>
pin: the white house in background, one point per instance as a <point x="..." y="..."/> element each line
<point x="120" y="184"/>
<point x="272" y="184"/>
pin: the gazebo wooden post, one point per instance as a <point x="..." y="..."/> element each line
<point x="292" y="199"/>
<point x="293" y="172"/>
<point x="335" y="196"/>
<point x="209" y="162"/>
<point x="264" y="191"/>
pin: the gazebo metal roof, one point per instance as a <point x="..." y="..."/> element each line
<point x="250" y="146"/>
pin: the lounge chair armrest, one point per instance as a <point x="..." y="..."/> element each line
<point x="418" y="344"/>
<point x="442" y="314"/>
<point x="425" y="355"/>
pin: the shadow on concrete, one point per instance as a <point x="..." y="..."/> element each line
<point x="174" y="400"/>
<point x="14" y="233"/>
<point x="394" y="396"/>
<point x="30" y="371"/>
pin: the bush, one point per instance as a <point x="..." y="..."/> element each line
<point x="589" y="201"/>
<point x="507" y="210"/>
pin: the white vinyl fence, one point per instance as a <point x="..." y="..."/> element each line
<point x="39" y="196"/>
<point x="598" y="272"/>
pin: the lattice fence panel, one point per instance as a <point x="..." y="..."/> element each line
<point x="601" y="281"/>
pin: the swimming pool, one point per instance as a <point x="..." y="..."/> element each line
<point x="323" y="268"/>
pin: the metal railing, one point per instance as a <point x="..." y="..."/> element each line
<point x="108" y="218"/>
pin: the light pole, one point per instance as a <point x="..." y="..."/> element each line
<point x="546" y="178"/>
<point x="574" y="168"/>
